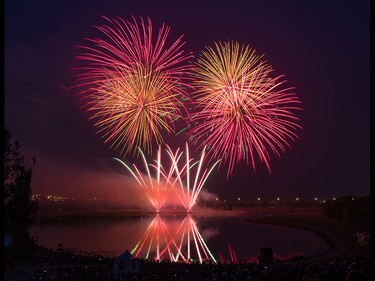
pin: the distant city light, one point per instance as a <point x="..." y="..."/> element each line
<point x="58" y="198"/>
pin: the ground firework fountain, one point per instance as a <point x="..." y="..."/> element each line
<point x="183" y="179"/>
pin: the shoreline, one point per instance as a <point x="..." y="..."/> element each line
<point x="337" y="234"/>
<point x="343" y="251"/>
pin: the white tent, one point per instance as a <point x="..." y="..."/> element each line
<point x="125" y="263"/>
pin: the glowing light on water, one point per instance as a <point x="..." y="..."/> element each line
<point x="183" y="243"/>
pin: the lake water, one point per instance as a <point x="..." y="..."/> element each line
<point x="177" y="237"/>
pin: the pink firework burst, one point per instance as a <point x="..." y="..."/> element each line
<point x="134" y="83"/>
<point x="241" y="110"/>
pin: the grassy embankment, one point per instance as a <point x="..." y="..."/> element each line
<point x="338" y="234"/>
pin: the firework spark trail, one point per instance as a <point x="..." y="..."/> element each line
<point x="172" y="241"/>
<point x="163" y="242"/>
<point x="241" y="110"/>
<point x="189" y="194"/>
<point x="139" y="246"/>
<point x="175" y="178"/>
<point x="198" y="236"/>
<point x="233" y="256"/>
<point x="134" y="86"/>
<point x="157" y="193"/>
<point x="157" y="235"/>
<point x="189" y="229"/>
<point x="221" y="258"/>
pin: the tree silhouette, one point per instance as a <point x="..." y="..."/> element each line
<point x="19" y="207"/>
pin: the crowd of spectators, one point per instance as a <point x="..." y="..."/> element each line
<point x="50" y="265"/>
<point x="251" y="271"/>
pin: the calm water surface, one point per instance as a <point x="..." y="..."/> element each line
<point x="177" y="237"/>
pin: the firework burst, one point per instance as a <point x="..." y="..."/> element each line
<point x="241" y="110"/>
<point x="134" y="85"/>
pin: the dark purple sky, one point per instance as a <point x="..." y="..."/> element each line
<point x="322" y="47"/>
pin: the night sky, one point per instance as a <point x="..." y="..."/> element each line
<point x="322" y="48"/>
